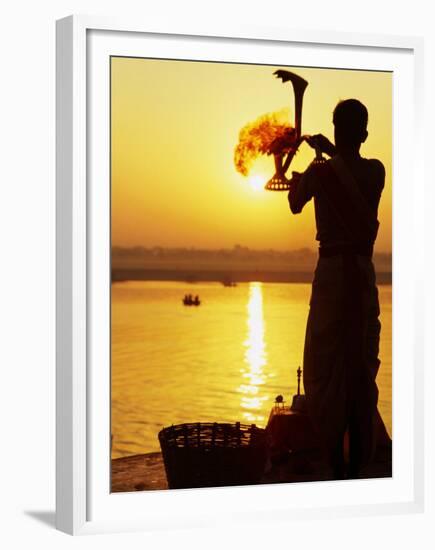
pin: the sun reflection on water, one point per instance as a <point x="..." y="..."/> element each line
<point x="255" y="357"/>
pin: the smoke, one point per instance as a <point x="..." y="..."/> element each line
<point x="268" y="134"/>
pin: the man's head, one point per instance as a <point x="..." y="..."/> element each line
<point x="350" y="124"/>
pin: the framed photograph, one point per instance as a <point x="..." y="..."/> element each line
<point x="239" y="309"/>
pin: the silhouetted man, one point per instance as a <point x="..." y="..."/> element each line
<point x="342" y="335"/>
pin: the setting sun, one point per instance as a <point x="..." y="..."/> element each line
<point x="257" y="182"/>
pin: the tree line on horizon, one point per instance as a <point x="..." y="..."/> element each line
<point x="238" y="251"/>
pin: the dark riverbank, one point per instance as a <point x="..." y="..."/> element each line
<point x="146" y="472"/>
<point x="138" y="473"/>
<point x="239" y="264"/>
<point x="195" y="276"/>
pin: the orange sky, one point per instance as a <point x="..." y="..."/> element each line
<point x="175" y="125"/>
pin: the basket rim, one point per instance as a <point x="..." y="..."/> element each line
<point x="211" y="435"/>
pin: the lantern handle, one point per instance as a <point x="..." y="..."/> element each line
<point x="279" y="181"/>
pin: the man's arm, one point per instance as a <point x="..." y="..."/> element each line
<point x="303" y="186"/>
<point x="322" y="143"/>
<point x="302" y="189"/>
<point x="378" y="170"/>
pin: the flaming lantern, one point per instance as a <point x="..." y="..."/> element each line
<point x="281" y="148"/>
<point x="272" y="134"/>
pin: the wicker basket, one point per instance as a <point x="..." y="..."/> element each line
<point x="212" y="454"/>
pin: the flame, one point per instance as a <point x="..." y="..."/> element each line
<point x="268" y="134"/>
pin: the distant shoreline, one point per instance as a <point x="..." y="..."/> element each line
<point x="222" y="276"/>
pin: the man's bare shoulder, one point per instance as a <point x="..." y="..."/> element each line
<point x="377" y="166"/>
<point x="377" y="171"/>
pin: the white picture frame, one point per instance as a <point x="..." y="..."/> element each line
<point x="83" y="501"/>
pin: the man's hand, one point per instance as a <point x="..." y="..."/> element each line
<point x="319" y="141"/>
<point x="295" y="179"/>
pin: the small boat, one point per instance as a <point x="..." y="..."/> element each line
<point x="188" y="300"/>
<point x="228" y="282"/>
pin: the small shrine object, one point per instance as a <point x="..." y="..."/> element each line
<point x="299" y="403"/>
<point x="279" y="404"/>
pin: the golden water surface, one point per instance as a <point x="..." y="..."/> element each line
<point x="225" y="360"/>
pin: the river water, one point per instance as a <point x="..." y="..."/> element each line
<point x="223" y="361"/>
